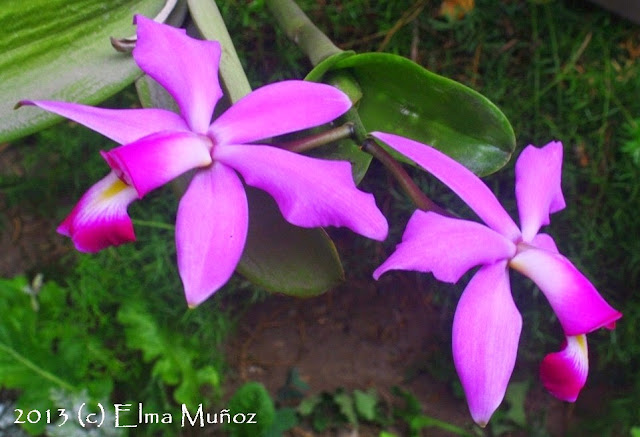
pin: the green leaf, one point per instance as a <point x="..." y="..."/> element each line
<point x="174" y="361"/>
<point x="153" y="95"/>
<point x="251" y="398"/>
<point x="365" y="403"/>
<point x="411" y="405"/>
<point x="401" y="97"/>
<point x="285" y="419"/>
<point x="287" y="259"/>
<point x="346" y="150"/>
<point x="353" y="90"/>
<point x="294" y="388"/>
<point x="307" y="406"/>
<point x="417" y="423"/>
<point x="346" y="407"/>
<point x="38" y="353"/>
<point x="516" y="397"/>
<point x="60" y="50"/>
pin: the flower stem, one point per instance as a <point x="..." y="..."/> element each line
<point x="152" y="224"/>
<point x="315" y="44"/>
<point x="24" y="361"/>
<point x="317" y="140"/>
<point x="415" y="194"/>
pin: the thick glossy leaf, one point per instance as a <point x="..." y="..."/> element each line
<point x="153" y="95"/>
<point x="401" y="97"/>
<point x="60" y="50"/>
<point x="278" y="256"/>
<point x="328" y="64"/>
<point x="286" y="259"/>
<point x="348" y="149"/>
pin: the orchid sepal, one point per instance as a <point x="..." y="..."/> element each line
<point x="467" y="245"/>
<point x="486" y="332"/>
<point x="458" y="178"/>
<point x="186" y="67"/>
<point x="120" y="125"/>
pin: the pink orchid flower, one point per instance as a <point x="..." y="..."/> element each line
<point x="159" y="145"/>
<point x="487" y="324"/>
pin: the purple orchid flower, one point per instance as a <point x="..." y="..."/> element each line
<point x="212" y="218"/>
<point x="487" y="324"/>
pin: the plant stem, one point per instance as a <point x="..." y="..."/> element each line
<point x="152" y="224"/>
<point x="415" y="194"/>
<point x="315" y="44"/>
<point x="35" y="368"/>
<point x="317" y="140"/>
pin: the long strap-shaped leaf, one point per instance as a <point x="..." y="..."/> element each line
<point x="60" y="50"/>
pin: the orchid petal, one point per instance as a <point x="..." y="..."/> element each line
<point x="538" y="190"/>
<point x="155" y="160"/>
<point x="121" y="125"/>
<point x="211" y="230"/>
<point x="576" y="302"/>
<point x="277" y="109"/>
<point x="545" y="242"/>
<point x="564" y="373"/>
<point x="186" y="67"/>
<point x="486" y="331"/>
<point x="459" y="179"/>
<point x="310" y="192"/>
<point x="100" y="219"/>
<point x="446" y="246"/>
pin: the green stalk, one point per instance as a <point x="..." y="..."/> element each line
<point x="311" y="142"/>
<point x="297" y="26"/>
<point x="399" y="173"/>
<point x="36" y="369"/>
<point x="152" y="224"/>
<point x="206" y="15"/>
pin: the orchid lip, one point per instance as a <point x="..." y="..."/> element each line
<point x="116" y="168"/>
<point x="522" y="246"/>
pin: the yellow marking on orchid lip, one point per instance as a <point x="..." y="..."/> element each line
<point x="114" y="189"/>
<point x="582" y="341"/>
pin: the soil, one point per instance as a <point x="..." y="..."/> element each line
<point x="361" y="336"/>
<point x="354" y="337"/>
<point x="27" y="241"/>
